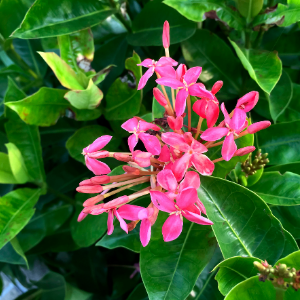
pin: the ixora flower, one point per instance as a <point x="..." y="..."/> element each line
<point x="169" y="171"/>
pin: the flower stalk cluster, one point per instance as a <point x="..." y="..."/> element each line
<point x="172" y="153"/>
<point x="249" y="166"/>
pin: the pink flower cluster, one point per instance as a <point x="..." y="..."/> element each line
<point x="174" y="156"/>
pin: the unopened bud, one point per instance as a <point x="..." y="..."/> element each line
<point x="93" y="200"/>
<point x="166" y="35"/>
<point x="258" y="126"/>
<point x="89" y="189"/>
<point x="259" y="266"/>
<point x="160" y="98"/>
<point x="131" y="170"/>
<point x="244" y="151"/>
<point x="81" y="216"/>
<point x="99" y="154"/>
<point x="217" y="86"/>
<point x="122" y="157"/>
<point x="100" y="179"/>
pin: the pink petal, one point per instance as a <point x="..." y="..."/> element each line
<point x="192" y="75"/>
<point x="167" y="180"/>
<point x="214" y="134"/>
<point x="81" y="216"/>
<point x="166" y="71"/>
<point x="187" y="197"/>
<point x="244" y="151"/>
<point x="172" y="228"/>
<point x="145" y="213"/>
<point x="162" y="202"/>
<point x="225" y="113"/>
<point x="171" y="82"/>
<point x="164" y="154"/>
<point x="191" y="179"/>
<point x="212" y="113"/>
<point x="130" y="212"/>
<point x="229" y="147"/>
<point x="175" y="124"/>
<point x="97" y="167"/>
<point x="198" y="147"/>
<point x="142" y="158"/>
<point x="166" y="61"/>
<point x="116" y="202"/>
<point x="203" y="164"/>
<point x="197" y="218"/>
<point x="148" y="62"/>
<point x="145" y="232"/>
<point x="130" y="125"/>
<point x="175" y="140"/>
<point x="99" y="143"/>
<point x="238" y="119"/>
<point x="166" y="35"/>
<point x="198" y="91"/>
<point x="258" y="126"/>
<point x="123" y="224"/>
<point x="160" y="98"/>
<point x="145" y="78"/>
<point x="110" y="222"/>
<point x="132" y="141"/>
<point x="180" y="166"/>
<point x="248" y="101"/>
<point x="151" y="143"/>
<point x="217" y="86"/>
<point x="181" y="102"/>
<point x="144" y="126"/>
<point x="180" y="71"/>
<point x="188" y="138"/>
<point x="201" y="206"/>
<point x="199" y="107"/>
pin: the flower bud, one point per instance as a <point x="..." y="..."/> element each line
<point x="81" y="216"/>
<point x="93" y="200"/>
<point x="98" y="154"/>
<point x="248" y="101"/>
<point x="86" y="182"/>
<point x="116" y="202"/>
<point x="160" y="98"/>
<point x="244" y="151"/>
<point x="175" y="124"/>
<point x="217" y="86"/>
<point x="258" y="126"/>
<point x="89" y="189"/>
<point x="100" y="179"/>
<point x="122" y="157"/>
<point x="166" y="35"/>
<point x="131" y="170"/>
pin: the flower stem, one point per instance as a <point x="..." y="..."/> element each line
<point x="173" y="98"/>
<point x="189" y="105"/>
<point x="198" y="127"/>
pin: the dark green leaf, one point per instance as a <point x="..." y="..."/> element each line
<point x="147" y="30"/>
<point x="59" y="17"/>
<point x="264" y="67"/>
<point x="73" y="293"/>
<point x="281" y="141"/>
<point x="9" y="255"/>
<point x="243" y="223"/>
<point x="249" y="8"/>
<point x="18" y="248"/>
<point x="170" y="270"/>
<point x="139" y="293"/>
<point x="293" y="167"/>
<point x="123" y="100"/>
<point x="16" y="210"/>
<point x="218" y="62"/>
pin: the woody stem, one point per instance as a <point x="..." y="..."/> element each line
<point x="217" y="160"/>
<point x="198" y="127"/>
<point x="189" y="105"/>
<point x="138" y="181"/>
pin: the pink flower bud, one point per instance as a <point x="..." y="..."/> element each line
<point x="93" y="200"/>
<point x="90" y="208"/>
<point x="89" y="189"/>
<point x="217" y="86"/>
<point x="86" y="182"/>
<point x="244" y="151"/>
<point x="160" y="98"/>
<point x="81" y="216"/>
<point x="248" y="101"/>
<point x="175" y="124"/>
<point x="166" y="35"/>
<point x="100" y="179"/>
<point x="116" y="202"/>
<point x="258" y="126"/>
<point x="99" y="154"/>
<point x="131" y="170"/>
<point x="122" y="157"/>
<point x="141" y="158"/>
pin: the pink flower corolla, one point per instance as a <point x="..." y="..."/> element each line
<point x="193" y="154"/>
<point x="154" y="66"/>
<point x="141" y="158"/>
<point x="209" y="108"/>
<point x="184" y="207"/>
<point x="92" y="152"/>
<point x="247" y="102"/>
<point x="166" y="35"/>
<point x="138" y="128"/>
<point x="175" y="123"/>
<point x="234" y="126"/>
<point x="187" y="86"/>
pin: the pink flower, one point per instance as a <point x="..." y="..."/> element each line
<point x="164" y="154"/>
<point x="233" y="128"/>
<point x="141" y="158"/>
<point x="193" y="154"/>
<point x="184" y="207"/>
<point x="175" y="123"/>
<point x="138" y="128"/>
<point x="248" y="101"/>
<point x="186" y="85"/>
<point x="209" y="108"/>
<point x="166" y="35"/>
<point x="92" y="152"/>
<point x="158" y="67"/>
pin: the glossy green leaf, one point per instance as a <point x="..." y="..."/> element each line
<point x="6" y="174"/>
<point x="293" y="167"/>
<point x="64" y="73"/>
<point x="73" y="293"/>
<point x="85" y="99"/>
<point x="281" y="141"/>
<point x="249" y="8"/>
<point x="139" y="293"/>
<point x="233" y="271"/>
<point x="17" y="164"/>
<point x="16" y="210"/>
<point x="100" y="76"/>
<point x="147" y="30"/>
<point x="123" y="100"/>
<point x="217" y="60"/>
<point x="278" y="189"/>
<point x="9" y="255"/>
<point x="89" y="230"/>
<point x="42" y="108"/>
<point x="281" y="96"/>
<point x="243" y="223"/>
<point x="195" y="9"/>
<point x="264" y="67"/>
<point x="19" y="250"/>
<point x="59" y="17"/>
<point x="252" y="179"/>
<point x="170" y="270"/>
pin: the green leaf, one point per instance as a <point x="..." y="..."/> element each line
<point x="281" y="96"/>
<point x="17" y="164"/>
<point x="42" y="108"/>
<point x="263" y="67"/>
<point x="249" y="8"/>
<point x="293" y="167"/>
<point x="218" y="62"/>
<point x="278" y="189"/>
<point x="64" y="73"/>
<point x="252" y="179"/>
<point x="100" y="76"/>
<point x="59" y="17"/>
<point x="86" y="99"/>
<point x="170" y="270"/>
<point x="281" y="141"/>
<point x="77" y="48"/>
<point x="195" y="9"/>
<point x="17" y="247"/>
<point x="233" y="271"/>
<point x="147" y="31"/>
<point x="6" y="174"/>
<point x="89" y="230"/>
<point x="73" y="293"/>
<point x="139" y="293"/>
<point x="16" y="210"/>
<point x="123" y="100"/>
<point x="243" y="223"/>
<point x="9" y="255"/>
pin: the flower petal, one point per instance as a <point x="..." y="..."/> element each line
<point x="180" y="103"/>
<point x="147" y="63"/>
<point x="145" y="232"/>
<point x="199" y="107"/>
<point x="187" y="197"/>
<point x="166" y="61"/>
<point x="151" y="143"/>
<point x="180" y="71"/>
<point x="192" y="75"/>
<point x="180" y="166"/>
<point x="171" y="82"/>
<point x="203" y="164"/>
<point x="162" y="202"/>
<point x="110" y="222"/>
<point x="164" y="154"/>
<point x="99" y="143"/>
<point x="145" y="213"/>
<point x="97" y="167"/>
<point x="229" y="147"/>
<point x="123" y="224"/>
<point x="191" y="179"/>
<point x="130" y="212"/>
<point x="145" y="78"/>
<point x="175" y="140"/>
<point x="132" y="141"/>
<point x="248" y="101"/>
<point x="166" y="71"/>
<point x="214" y="134"/>
<point x="198" y="147"/>
<point x="167" y="180"/>
<point x="198" y="91"/>
<point x="238" y="119"/>
<point x="212" y="113"/>
<point x="130" y="125"/>
<point x="172" y="228"/>
<point x="144" y="126"/>
<point x="197" y="218"/>
<point x="225" y="113"/>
